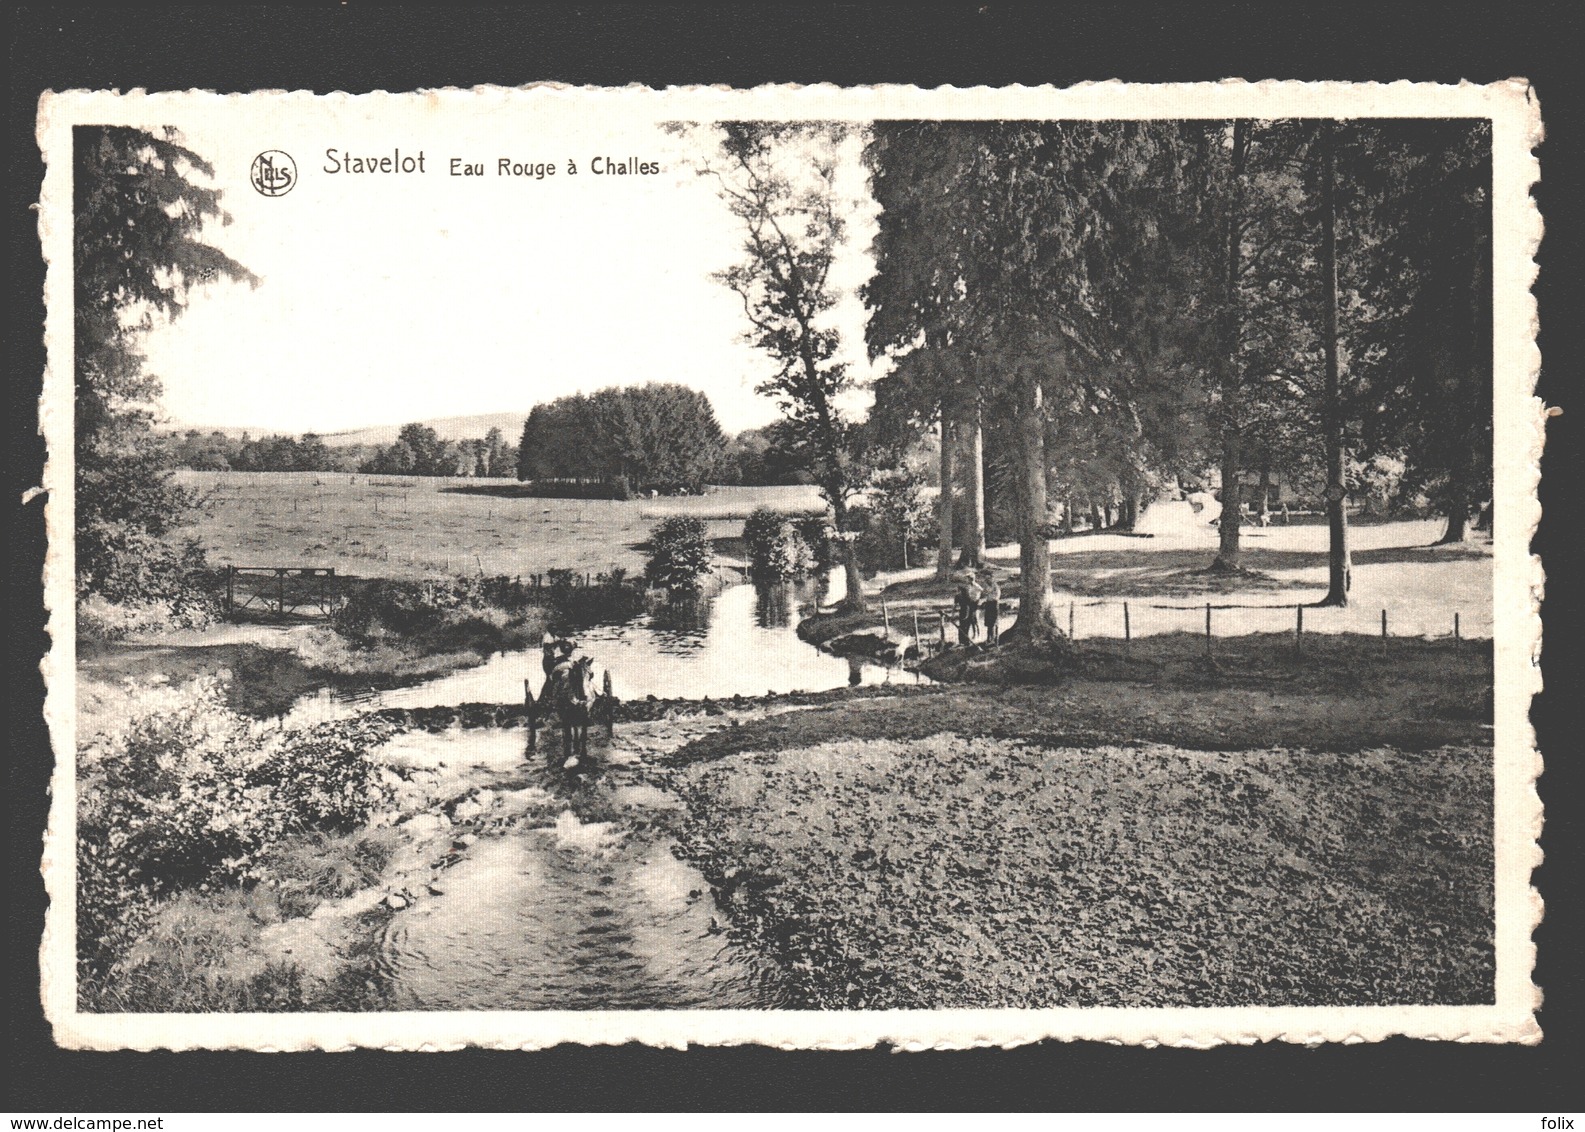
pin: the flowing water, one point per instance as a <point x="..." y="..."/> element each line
<point x="551" y="912"/>
<point x="566" y="914"/>
<point x="573" y="917"/>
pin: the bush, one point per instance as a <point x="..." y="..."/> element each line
<point x="880" y="541"/>
<point x="776" y="550"/>
<point x="384" y="608"/>
<point x="815" y="530"/>
<point x="679" y="555"/>
<point x="190" y="792"/>
<point x="136" y="582"/>
<point x="100" y="619"/>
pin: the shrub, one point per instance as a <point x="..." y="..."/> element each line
<point x="125" y="564"/>
<point x="815" y="530"/>
<point x="679" y="555"/>
<point x="776" y="551"/>
<point x="100" y="619"/>
<point x="190" y="792"/>
<point x="881" y="538"/>
<point x="386" y="608"/>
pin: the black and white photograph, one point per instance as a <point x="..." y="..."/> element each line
<point x="812" y="566"/>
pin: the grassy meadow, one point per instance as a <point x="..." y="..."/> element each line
<point x="421" y="527"/>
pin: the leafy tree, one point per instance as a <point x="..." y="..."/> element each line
<point x="660" y="435"/>
<point x="679" y="555"/>
<point x="899" y="503"/>
<point x="1029" y="247"/>
<point x="495" y="462"/>
<point x="138" y="257"/>
<point x="779" y="181"/>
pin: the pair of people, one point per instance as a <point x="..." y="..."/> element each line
<point x="979" y="597"/>
<point x="556" y="658"/>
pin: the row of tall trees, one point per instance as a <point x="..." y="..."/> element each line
<point x="662" y="436"/>
<point x="1105" y="306"/>
<point x="217" y="452"/>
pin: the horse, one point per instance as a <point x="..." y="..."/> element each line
<point x="572" y="699"/>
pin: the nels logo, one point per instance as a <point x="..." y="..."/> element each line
<point x="273" y="173"/>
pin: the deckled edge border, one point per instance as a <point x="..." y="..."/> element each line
<point x="1511" y="104"/>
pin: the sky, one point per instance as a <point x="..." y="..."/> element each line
<point x="386" y="298"/>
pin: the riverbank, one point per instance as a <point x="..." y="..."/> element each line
<point x="1097" y="841"/>
<point x="992" y="864"/>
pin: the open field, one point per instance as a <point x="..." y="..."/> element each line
<point x="418" y="527"/>
<point x="412" y="527"/>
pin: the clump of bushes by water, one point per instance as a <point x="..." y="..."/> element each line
<point x="776" y="548"/>
<point x="190" y="794"/>
<point x="816" y="532"/>
<point x="679" y="555"/>
<point x="579" y="600"/>
<point x="484" y="615"/>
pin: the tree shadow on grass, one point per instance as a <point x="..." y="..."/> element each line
<point x="1387" y="555"/>
<point x="1153" y="571"/>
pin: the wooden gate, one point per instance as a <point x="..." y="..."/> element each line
<point x="281" y="590"/>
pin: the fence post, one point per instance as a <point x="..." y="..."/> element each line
<point x="1457" y="634"/>
<point x="1071" y="637"/>
<point x="1384" y="624"/>
<point x="1127" y="632"/>
<point x="1298" y="632"/>
<point x="280" y="591"/>
<point x="231" y="590"/>
<point x="1207" y="628"/>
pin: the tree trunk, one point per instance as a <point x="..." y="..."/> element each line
<point x="1067" y="515"/>
<point x="1095" y="516"/>
<point x="1457" y="527"/>
<point x="1483" y="522"/>
<point x="1037" y="605"/>
<point x="854" y="599"/>
<point x="1265" y="488"/>
<point x="1230" y="526"/>
<point x="944" y="503"/>
<point x="1338" y="562"/>
<point x="974" y="536"/>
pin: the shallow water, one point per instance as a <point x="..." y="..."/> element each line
<point x="742" y="641"/>
<point x="575" y="916"/>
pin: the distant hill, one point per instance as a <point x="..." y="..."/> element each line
<point x="449" y="428"/>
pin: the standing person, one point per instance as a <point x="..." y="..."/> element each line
<point x="968" y="605"/>
<point x="991" y="603"/>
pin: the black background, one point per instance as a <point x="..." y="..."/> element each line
<point x="361" y="47"/>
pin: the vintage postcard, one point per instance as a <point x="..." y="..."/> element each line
<point x="806" y="566"/>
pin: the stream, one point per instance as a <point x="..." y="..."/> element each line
<point x="741" y="641"/>
<point x="566" y="896"/>
<point x="559" y="913"/>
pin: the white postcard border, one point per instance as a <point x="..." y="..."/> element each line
<point x="1518" y="437"/>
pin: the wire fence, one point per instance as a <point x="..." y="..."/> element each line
<point x="1124" y="620"/>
